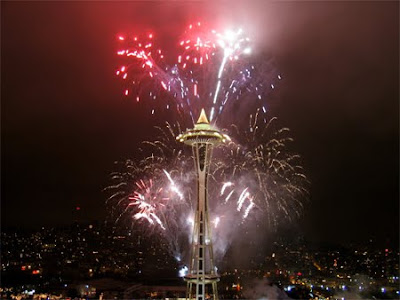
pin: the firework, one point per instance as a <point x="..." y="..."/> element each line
<point x="197" y="47"/>
<point x="152" y="198"/>
<point x="212" y="70"/>
<point x="268" y="177"/>
<point x="147" y="200"/>
<point x="254" y="179"/>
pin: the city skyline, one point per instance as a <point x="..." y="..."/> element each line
<point x="65" y="120"/>
<point x="120" y="262"/>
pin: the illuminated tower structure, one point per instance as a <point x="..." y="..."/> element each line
<point x="203" y="137"/>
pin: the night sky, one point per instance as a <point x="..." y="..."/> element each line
<point x="65" y="119"/>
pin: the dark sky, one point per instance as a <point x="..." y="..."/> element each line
<point x="65" y="121"/>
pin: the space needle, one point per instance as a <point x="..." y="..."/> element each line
<point x="202" y="272"/>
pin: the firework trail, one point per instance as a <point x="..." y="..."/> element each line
<point x="212" y="70"/>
